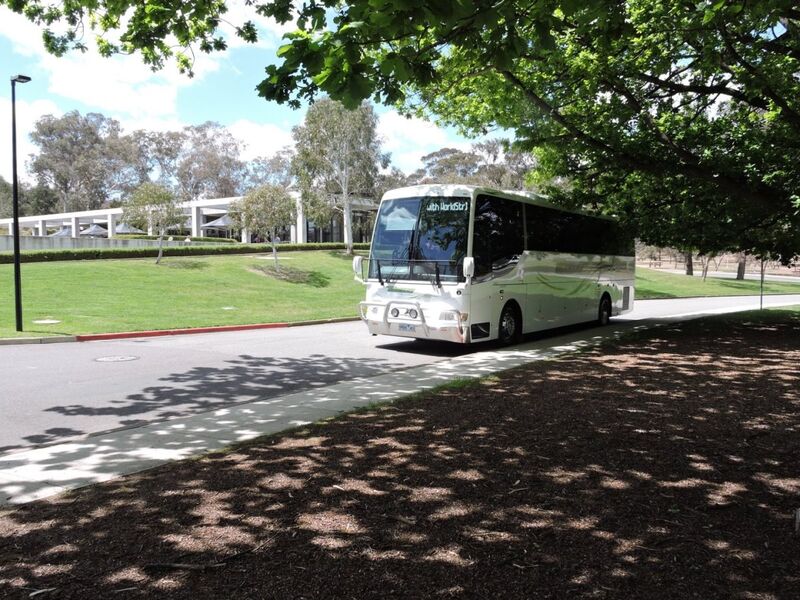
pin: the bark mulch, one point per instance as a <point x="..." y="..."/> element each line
<point x="661" y="467"/>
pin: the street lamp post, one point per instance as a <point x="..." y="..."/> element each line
<point x="15" y="197"/>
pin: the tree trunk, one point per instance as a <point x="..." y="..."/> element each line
<point x="275" y="250"/>
<point x="160" y="246"/>
<point x="740" y="268"/>
<point x="689" y="264"/>
<point x="348" y="226"/>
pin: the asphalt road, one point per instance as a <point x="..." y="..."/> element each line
<point x="54" y="392"/>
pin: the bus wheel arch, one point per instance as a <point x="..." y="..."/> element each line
<point x="604" y="309"/>
<point x="509" y="330"/>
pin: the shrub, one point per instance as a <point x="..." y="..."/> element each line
<point x="176" y="237"/>
<point x="113" y="253"/>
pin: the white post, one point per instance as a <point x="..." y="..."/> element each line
<point x="245" y="236"/>
<point x="293" y="234"/>
<point x="42" y="228"/>
<point x="197" y="221"/>
<point x="76" y="227"/>
<point x="11" y="228"/>
<point x="112" y="225"/>
<point x="301" y="237"/>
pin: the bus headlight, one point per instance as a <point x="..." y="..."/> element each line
<point x="413" y="313"/>
<point x="395" y="313"/>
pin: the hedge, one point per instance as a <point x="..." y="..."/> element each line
<point x="177" y="238"/>
<point x="105" y="253"/>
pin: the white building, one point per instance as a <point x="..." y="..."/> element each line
<point x="198" y="212"/>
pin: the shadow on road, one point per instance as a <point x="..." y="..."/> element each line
<point x="201" y="389"/>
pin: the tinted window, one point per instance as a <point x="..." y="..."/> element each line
<point x="551" y="230"/>
<point x="498" y="235"/>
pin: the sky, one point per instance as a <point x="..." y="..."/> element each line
<point x="222" y="90"/>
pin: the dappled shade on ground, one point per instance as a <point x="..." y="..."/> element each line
<point x="665" y="467"/>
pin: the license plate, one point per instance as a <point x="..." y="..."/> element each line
<point x="407" y="327"/>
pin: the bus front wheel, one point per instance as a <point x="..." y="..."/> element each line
<point x="604" y="312"/>
<point x="510" y="330"/>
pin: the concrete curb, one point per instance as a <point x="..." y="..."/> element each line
<point x="94" y="337"/>
<point x="60" y="339"/>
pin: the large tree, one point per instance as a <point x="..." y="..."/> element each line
<point x="157" y="155"/>
<point x="273" y="170"/>
<point x="84" y="159"/>
<point x="33" y="200"/>
<point x="338" y="156"/>
<point x="210" y="164"/>
<point x="676" y="114"/>
<point x="487" y="163"/>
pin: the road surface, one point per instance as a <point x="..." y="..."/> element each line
<point x="55" y="392"/>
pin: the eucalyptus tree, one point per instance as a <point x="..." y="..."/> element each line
<point x="337" y="157"/>
<point x="84" y="159"/>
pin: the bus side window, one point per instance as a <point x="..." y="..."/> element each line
<point x="498" y="239"/>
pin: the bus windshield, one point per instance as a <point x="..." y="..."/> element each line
<point x="420" y="239"/>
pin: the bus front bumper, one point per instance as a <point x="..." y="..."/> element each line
<point x="379" y="320"/>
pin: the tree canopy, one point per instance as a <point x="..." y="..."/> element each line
<point x="263" y="211"/>
<point x="154" y="207"/>
<point x="681" y="116"/>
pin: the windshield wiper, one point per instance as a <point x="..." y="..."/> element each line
<point x="438" y="279"/>
<point x="378" y="264"/>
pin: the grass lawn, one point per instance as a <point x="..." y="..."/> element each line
<point x="136" y="294"/>
<point x="655" y="284"/>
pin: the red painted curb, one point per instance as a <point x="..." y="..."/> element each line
<point x="91" y="337"/>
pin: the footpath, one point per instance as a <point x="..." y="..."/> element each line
<point x="38" y="473"/>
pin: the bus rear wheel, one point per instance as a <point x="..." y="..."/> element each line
<point x="604" y="311"/>
<point x="510" y="329"/>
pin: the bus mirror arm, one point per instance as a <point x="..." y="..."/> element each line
<point x="438" y="278"/>
<point x="469" y="267"/>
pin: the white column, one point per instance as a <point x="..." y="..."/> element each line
<point x="76" y="227"/>
<point x="150" y="228"/>
<point x="112" y="225"/>
<point x="11" y="228"/>
<point x="293" y="234"/>
<point x="197" y="221"/>
<point x="301" y="237"/>
<point x="42" y="228"/>
<point x="245" y="236"/>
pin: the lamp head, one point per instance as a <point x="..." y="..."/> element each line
<point x="20" y="79"/>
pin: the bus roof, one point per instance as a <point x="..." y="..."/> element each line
<point x="461" y="190"/>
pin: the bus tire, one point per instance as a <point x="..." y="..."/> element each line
<point x="604" y="310"/>
<point x="509" y="330"/>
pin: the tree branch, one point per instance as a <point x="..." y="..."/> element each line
<point x="740" y="187"/>
<point x="787" y="111"/>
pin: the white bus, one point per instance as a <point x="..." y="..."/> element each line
<point x="471" y="264"/>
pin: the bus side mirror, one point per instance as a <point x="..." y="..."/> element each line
<point x="358" y="262"/>
<point x="469" y="267"/>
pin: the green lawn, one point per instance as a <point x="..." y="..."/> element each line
<point x="656" y="284"/>
<point x="127" y="295"/>
<point x="136" y="294"/>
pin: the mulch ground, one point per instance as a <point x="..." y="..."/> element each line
<point x="663" y="467"/>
